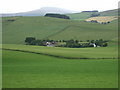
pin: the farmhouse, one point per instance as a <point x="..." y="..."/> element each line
<point x="50" y="44"/>
<point x="94" y="45"/>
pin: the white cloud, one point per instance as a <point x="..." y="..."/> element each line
<point x="14" y="6"/>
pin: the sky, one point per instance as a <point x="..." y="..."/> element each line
<point x="16" y="6"/>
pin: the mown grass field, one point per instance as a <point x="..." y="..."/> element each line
<point x="26" y="70"/>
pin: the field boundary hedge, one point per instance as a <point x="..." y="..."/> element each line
<point x="55" y="55"/>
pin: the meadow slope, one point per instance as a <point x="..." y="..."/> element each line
<point x="15" y="32"/>
<point x="85" y="15"/>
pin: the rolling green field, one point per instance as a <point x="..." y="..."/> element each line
<point x="23" y="70"/>
<point x="102" y="52"/>
<point x="85" y="15"/>
<point x="110" y="12"/>
<point x="27" y="66"/>
<point x="15" y="32"/>
<point x="80" y="16"/>
<point x="28" y="69"/>
<point x="87" y="31"/>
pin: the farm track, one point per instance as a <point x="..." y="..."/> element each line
<point x="55" y="55"/>
<point x="57" y="32"/>
<point x="61" y="31"/>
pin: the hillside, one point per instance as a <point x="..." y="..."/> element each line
<point x="16" y="29"/>
<point x="80" y="16"/>
<point x="85" y="15"/>
<point x="40" y="27"/>
<point x="110" y="13"/>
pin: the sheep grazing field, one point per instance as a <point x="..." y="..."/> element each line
<point x="101" y="19"/>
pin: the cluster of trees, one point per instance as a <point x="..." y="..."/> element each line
<point x="100" y="42"/>
<point x="91" y="11"/>
<point x="95" y="15"/>
<point x="34" y="41"/>
<point x="95" y="21"/>
<point x="105" y="22"/>
<point x="67" y="43"/>
<point x="57" y="16"/>
<point x="90" y="43"/>
<point x="75" y="44"/>
<point x="11" y="20"/>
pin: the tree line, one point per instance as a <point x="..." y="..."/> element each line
<point x="95" y="21"/>
<point x="91" y="11"/>
<point x="81" y="44"/>
<point x="57" y="16"/>
<point x="66" y="43"/>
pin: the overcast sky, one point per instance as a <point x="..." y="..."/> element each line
<point x="15" y="6"/>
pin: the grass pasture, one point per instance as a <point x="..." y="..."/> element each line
<point x="39" y="27"/>
<point x="52" y="28"/>
<point x="86" y="15"/>
<point x="27" y="66"/>
<point x="102" y="52"/>
<point x="86" y="32"/>
<point x="23" y="70"/>
<point x="113" y="12"/>
<point x="80" y="16"/>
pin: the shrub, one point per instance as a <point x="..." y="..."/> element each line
<point x="29" y="40"/>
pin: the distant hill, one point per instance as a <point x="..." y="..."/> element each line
<point x="80" y="16"/>
<point x="72" y="14"/>
<point x="87" y="14"/>
<point x="16" y="29"/>
<point x="110" y="13"/>
<point x="91" y="11"/>
<point x="41" y="12"/>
